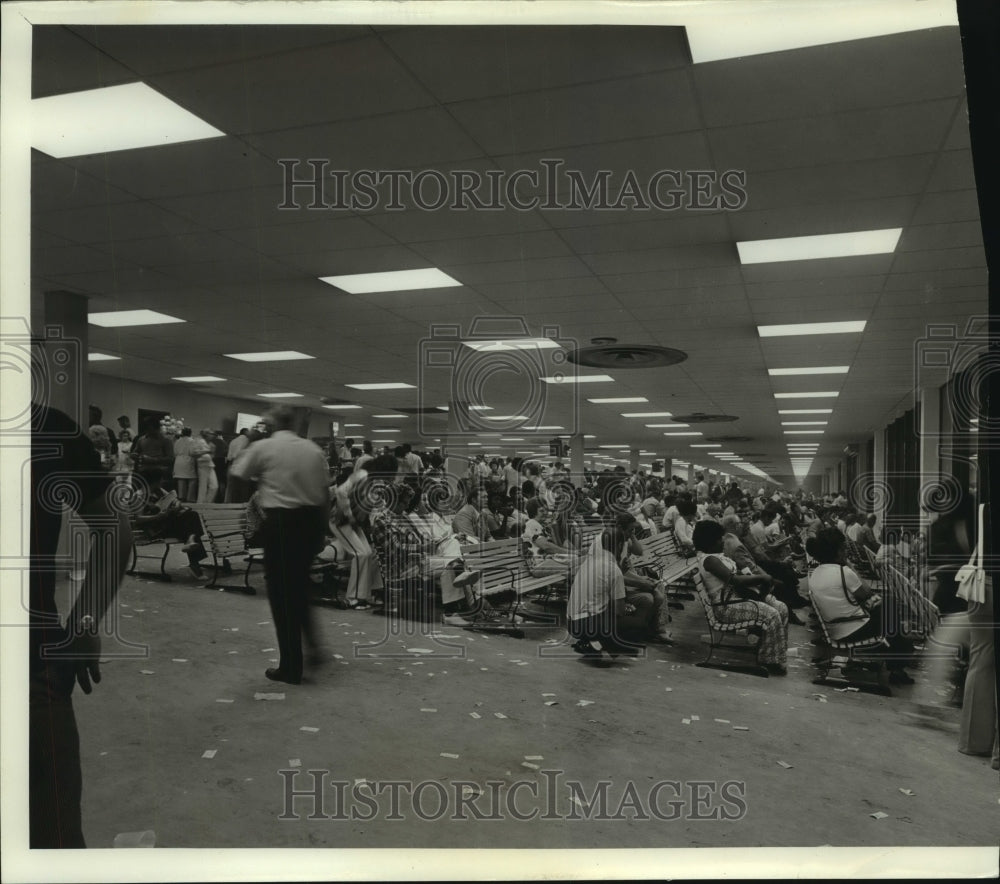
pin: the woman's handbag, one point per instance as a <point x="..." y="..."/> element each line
<point x="971" y="578"/>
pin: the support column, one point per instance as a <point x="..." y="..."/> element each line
<point x="930" y="432"/>
<point x="633" y="459"/>
<point x="67" y="344"/>
<point x="878" y="480"/>
<point x="668" y="468"/>
<point x="576" y="464"/>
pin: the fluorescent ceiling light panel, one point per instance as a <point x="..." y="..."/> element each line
<point x="511" y="439"/>
<point x="579" y="379"/>
<point x="804" y="432"/>
<point x="553" y="427"/>
<point x="646" y="414"/>
<point x="342" y="407"/>
<point x="505" y="417"/>
<point x="125" y="117"/>
<point x="671" y="426"/>
<point x="391" y="281"/>
<point x="811" y="328"/>
<point x="353" y="425"/>
<point x="385" y="386"/>
<point x="818" y="369"/>
<point x="280" y="395"/>
<point x="269" y="356"/>
<point x="712" y="37"/>
<point x="125" y="318"/>
<point x="829" y="394"/>
<point x="393" y="416"/>
<point x="505" y="345"/>
<point x="684" y="434"/>
<point x="804" y="423"/>
<point x="827" y="245"/>
<point x="705" y="445"/>
<point x="199" y="379"/>
<point x="105" y="357"/>
<point x="805" y="411"/>
<point x="620" y="400"/>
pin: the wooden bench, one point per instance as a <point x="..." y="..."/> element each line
<point x="848" y="654"/>
<point x="718" y="630"/>
<point x="142" y="539"/>
<point x="661" y="554"/>
<point x="225" y="536"/>
<point x="505" y="571"/>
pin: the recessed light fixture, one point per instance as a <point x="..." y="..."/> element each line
<point x="827" y="245"/>
<point x="280" y="395"/>
<point x="684" y="434"/>
<point x="705" y="445"/>
<point x="104" y="357"/>
<point x="511" y="439"/>
<point x="829" y="394"/>
<point x="620" y="400"/>
<point x="817" y="369"/>
<point x="804" y="432"/>
<point x="391" y="281"/>
<point x="805" y="411"/>
<point x="804" y="423"/>
<point x="393" y="416"/>
<point x="125" y="117"/>
<point x="811" y="328"/>
<point x="269" y="356"/>
<point x="342" y="407"/>
<point x="354" y="425"/>
<point x="670" y="426"/>
<point x="646" y="414"/>
<point x="125" y="318"/>
<point x="508" y="344"/>
<point x="552" y="427"/>
<point x="578" y="379"/>
<point x="480" y="408"/>
<point x="383" y="441"/>
<point x="199" y="379"/>
<point x="386" y="386"/>
<point x="387" y="430"/>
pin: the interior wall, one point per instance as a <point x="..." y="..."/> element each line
<point x="117" y="396"/>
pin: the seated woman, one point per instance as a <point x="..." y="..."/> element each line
<point x="497" y="516"/>
<point x="599" y="614"/>
<point x="687" y="514"/>
<point x="849" y="607"/>
<point x="740" y="598"/>
<point x="548" y="556"/>
<point x="353" y="502"/>
<point x="163" y="515"/>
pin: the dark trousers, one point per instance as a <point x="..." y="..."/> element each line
<point x="786" y="587"/>
<point x="55" y="782"/>
<point x="880" y="624"/>
<point x="291" y="539"/>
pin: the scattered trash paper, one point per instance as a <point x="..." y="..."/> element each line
<point x="740" y="727"/>
<point x="179" y="660"/>
<point x="221" y="700"/>
<point x="551" y="702"/>
<point x="528" y="764"/>
<point x="499" y="715"/>
<point x="448" y="755"/>
<point x="685" y="721"/>
<point x="263" y="695"/>
<point x="475" y="715"/>
<point x="428" y="710"/>
<point x="785" y="765"/>
<point x="209" y="753"/>
<point x="309" y="730"/>
<point x="907" y="791"/>
<point x="295" y="762"/>
<point x="723" y="721"/>
<point x="878" y="815"/>
<point x="584" y="702"/>
<point x="146" y="671"/>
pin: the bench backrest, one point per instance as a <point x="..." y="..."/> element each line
<point x="224" y="526"/>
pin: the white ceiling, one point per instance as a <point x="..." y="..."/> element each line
<point x="859" y="135"/>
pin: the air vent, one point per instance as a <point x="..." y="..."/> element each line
<point x="699" y="417"/>
<point x="621" y="356"/>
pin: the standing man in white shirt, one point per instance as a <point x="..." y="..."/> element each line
<point x="413" y="464"/>
<point x="292" y="478"/>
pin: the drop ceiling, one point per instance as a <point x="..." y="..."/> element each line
<point x="852" y="136"/>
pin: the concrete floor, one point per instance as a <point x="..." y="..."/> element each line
<point x="145" y="728"/>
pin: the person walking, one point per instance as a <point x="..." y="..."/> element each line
<point x="293" y="478"/>
<point x="203" y="452"/>
<point x="185" y="473"/>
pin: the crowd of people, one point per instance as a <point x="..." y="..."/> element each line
<point x="401" y="515"/>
